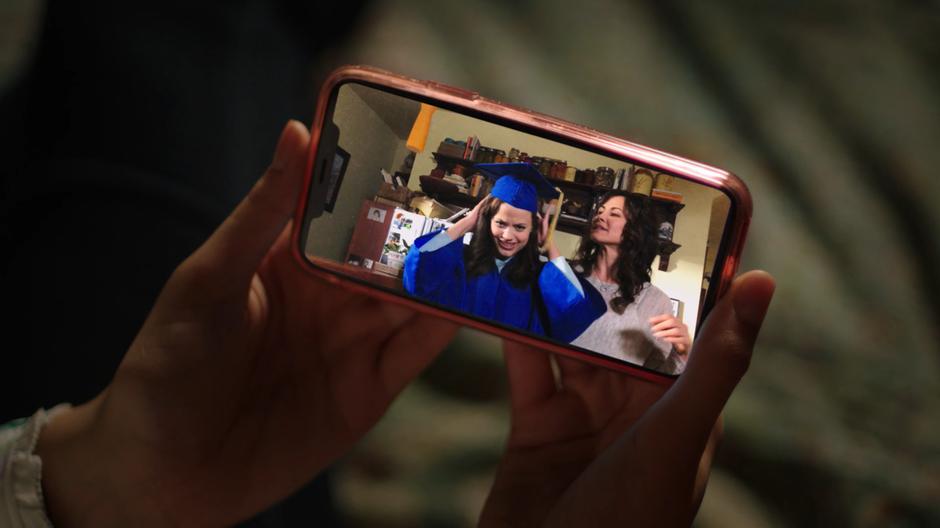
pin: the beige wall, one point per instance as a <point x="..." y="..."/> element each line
<point x="567" y="244"/>
<point x="371" y="145"/>
<point x="683" y="279"/>
<point x="401" y="151"/>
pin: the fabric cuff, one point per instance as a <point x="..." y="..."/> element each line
<point x="438" y="241"/>
<point x="562" y="264"/>
<point x="21" y="499"/>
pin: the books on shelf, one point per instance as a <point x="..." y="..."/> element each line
<point x="452" y="148"/>
<point x="473" y="146"/>
<point x="622" y="181"/>
<point x="571" y="217"/>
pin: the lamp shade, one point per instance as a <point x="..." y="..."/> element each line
<point x="419" y="131"/>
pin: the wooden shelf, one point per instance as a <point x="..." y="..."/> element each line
<point x="452" y="160"/>
<point x="446" y="192"/>
<point x="574" y="227"/>
<point x="598" y="190"/>
<point x="667" y="247"/>
<point x="576" y="185"/>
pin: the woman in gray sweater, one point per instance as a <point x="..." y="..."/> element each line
<point x="616" y="258"/>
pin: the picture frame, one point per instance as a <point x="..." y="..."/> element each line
<point x="676" y="307"/>
<point x="337" y="170"/>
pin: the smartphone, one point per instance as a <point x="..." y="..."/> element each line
<point x="514" y="222"/>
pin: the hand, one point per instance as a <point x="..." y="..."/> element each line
<point x="605" y="449"/>
<point x="468" y="222"/>
<point x="248" y="377"/>
<point x="544" y="225"/>
<point x="670" y="329"/>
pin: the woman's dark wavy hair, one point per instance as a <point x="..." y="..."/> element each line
<point x="523" y="267"/>
<point x="638" y="248"/>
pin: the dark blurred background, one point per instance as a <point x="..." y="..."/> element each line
<point x="828" y="110"/>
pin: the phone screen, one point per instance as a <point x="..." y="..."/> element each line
<point x="519" y="228"/>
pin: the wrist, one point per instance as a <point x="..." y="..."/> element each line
<point x="81" y="483"/>
<point x="460" y="228"/>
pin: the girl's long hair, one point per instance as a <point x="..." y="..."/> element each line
<point x="524" y="266"/>
<point x="638" y="248"/>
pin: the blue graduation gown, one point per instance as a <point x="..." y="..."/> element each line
<point x="554" y="308"/>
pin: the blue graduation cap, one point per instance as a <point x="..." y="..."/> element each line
<point x="518" y="184"/>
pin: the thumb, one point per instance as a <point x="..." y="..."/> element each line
<point x="235" y="250"/>
<point x="718" y="360"/>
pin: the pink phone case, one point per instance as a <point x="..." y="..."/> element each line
<point x="471" y="102"/>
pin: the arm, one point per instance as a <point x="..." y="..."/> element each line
<point x="434" y="265"/>
<point x="467" y="223"/>
<point x="667" y="327"/>
<point x="434" y="269"/>
<point x="662" y="329"/>
<point x="570" y="307"/>
<point x="667" y="333"/>
<point x="551" y="250"/>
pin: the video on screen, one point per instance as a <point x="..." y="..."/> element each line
<point x="534" y="234"/>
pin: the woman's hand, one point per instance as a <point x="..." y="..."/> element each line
<point x="672" y="330"/>
<point x="248" y="377"/>
<point x="468" y="222"/>
<point x="600" y="448"/>
<point x="544" y="225"/>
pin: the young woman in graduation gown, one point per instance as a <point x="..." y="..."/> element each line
<point x="499" y="275"/>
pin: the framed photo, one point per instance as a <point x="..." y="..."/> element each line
<point x="676" y="307"/>
<point x="377" y="214"/>
<point x="338" y="169"/>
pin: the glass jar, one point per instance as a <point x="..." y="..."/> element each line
<point x="663" y="181"/>
<point x="642" y="182"/>
<point x="587" y="176"/>
<point x="570" y="173"/>
<point x="545" y="167"/>
<point x="604" y="177"/>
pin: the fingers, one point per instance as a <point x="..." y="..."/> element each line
<point x="573" y="370"/>
<point x="668" y="328"/>
<point x="675" y="340"/>
<point x="660" y="318"/>
<point x="529" y="370"/>
<point x="663" y="322"/>
<point x="232" y="254"/>
<point x="669" y="332"/>
<point x="412" y="347"/>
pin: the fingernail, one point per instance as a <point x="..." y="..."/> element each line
<point x="752" y="297"/>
